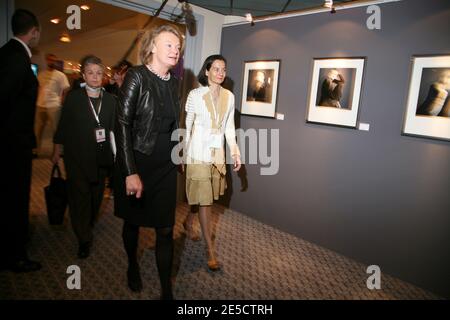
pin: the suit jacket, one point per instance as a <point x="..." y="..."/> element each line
<point x="18" y="93"/>
<point x="76" y="131"/>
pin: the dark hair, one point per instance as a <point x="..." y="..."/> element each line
<point x="50" y="55"/>
<point x="90" y="59"/>
<point x="122" y="66"/>
<point x="23" y="21"/>
<point x="202" y="78"/>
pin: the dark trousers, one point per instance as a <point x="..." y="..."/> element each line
<point x="85" y="199"/>
<point x="15" y="201"/>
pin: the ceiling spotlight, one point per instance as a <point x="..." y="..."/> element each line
<point x="55" y="20"/>
<point x="249" y="18"/>
<point x="85" y="7"/>
<point x="65" y="38"/>
<point x="328" y="4"/>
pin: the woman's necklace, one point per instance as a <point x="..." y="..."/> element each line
<point x="165" y="78"/>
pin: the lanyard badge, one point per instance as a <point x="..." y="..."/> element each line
<point x="100" y="132"/>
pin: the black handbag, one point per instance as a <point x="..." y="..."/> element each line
<point x="56" y="197"/>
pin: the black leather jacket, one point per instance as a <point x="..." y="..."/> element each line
<point x="139" y="115"/>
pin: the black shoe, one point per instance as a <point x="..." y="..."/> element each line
<point x="25" y="265"/>
<point x="134" y="278"/>
<point x="84" y="250"/>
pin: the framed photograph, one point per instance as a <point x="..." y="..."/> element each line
<point x="428" y="104"/>
<point x="335" y="91"/>
<point x="260" y="88"/>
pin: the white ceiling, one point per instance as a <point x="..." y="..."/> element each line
<point x="99" y="15"/>
<point x="106" y="30"/>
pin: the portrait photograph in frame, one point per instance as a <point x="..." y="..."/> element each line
<point x="260" y="88"/>
<point x="427" y="111"/>
<point x="335" y="91"/>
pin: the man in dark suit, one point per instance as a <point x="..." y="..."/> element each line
<point x="18" y="92"/>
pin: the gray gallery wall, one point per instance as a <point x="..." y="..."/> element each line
<point x="377" y="197"/>
<point x="6" y="9"/>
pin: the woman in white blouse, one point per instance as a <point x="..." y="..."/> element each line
<point x="210" y="118"/>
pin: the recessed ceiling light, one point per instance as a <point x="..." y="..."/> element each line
<point x="85" y="7"/>
<point x="65" y="38"/>
<point x="55" y="20"/>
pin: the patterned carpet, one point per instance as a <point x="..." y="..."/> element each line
<point x="259" y="262"/>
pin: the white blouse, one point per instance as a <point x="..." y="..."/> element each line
<point x="199" y="125"/>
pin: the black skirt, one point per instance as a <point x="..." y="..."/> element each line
<point x="156" y="207"/>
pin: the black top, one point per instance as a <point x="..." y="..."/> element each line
<point x="168" y="123"/>
<point x="139" y="114"/>
<point x="76" y="131"/>
<point x="95" y="103"/>
<point x="156" y="207"/>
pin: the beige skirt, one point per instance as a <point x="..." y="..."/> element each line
<point x="204" y="183"/>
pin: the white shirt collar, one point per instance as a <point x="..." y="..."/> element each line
<point x="24" y="44"/>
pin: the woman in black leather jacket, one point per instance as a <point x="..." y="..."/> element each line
<point x="145" y="176"/>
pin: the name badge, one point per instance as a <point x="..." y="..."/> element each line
<point x="100" y="135"/>
<point x="216" y="141"/>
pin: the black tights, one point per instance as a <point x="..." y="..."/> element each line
<point x="163" y="252"/>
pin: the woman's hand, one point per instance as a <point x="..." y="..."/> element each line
<point x="237" y="163"/>
<point x="134" y="185"/>
<point x="181" y="167"/>
<point x="56" y="153"/>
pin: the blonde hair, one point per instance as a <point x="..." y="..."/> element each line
<point x="148" y="41"/>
